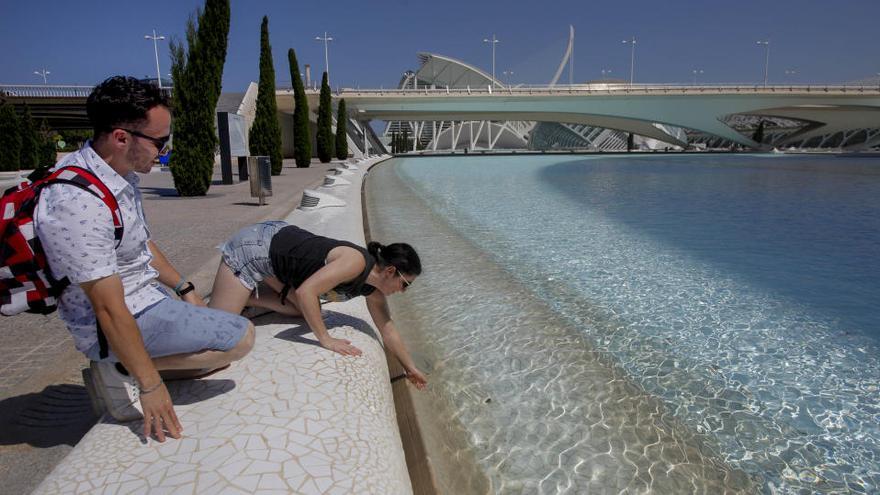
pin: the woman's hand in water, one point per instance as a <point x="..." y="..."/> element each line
<point x="417" y="378"/>
<point x="341" y="346"/>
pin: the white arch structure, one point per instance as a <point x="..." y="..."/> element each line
<point x="442" y="72"/>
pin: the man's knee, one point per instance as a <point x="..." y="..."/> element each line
<point x="244" y="345"/>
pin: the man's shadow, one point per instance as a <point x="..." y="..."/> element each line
<point x="184" y="393"/>
<point x="62" y="414"/>
<point x="59" y="415"/>
<point x="332" y="319"/>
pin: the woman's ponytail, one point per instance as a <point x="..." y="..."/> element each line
<point x="399" y="255"/>
<point x="375" y="249"/>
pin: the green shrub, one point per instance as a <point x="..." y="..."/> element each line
<point x="10" y="139"/>
<point x="46" y="156"/>
<point x="74" y="138"/>
<point x="30" y="141"/>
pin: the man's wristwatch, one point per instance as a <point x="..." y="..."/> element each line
<point x="186" y="289"/>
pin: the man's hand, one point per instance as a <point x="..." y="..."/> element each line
<point x="341" y="346"/>
<point x="417" y="378"/>
<point x="159" y="414"/>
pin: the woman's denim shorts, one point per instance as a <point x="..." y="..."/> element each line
<point x="247" y="252"/>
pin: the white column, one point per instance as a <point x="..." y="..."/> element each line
<point x="489" y="133"/>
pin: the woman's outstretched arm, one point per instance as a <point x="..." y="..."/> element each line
<point x="378" y="307"/>
<point x="344" y="266"/>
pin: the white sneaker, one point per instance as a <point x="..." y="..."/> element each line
<point x="120" y="392"/>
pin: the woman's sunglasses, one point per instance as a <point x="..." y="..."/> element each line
<point x="406" y="283"/>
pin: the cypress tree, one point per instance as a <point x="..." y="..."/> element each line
<point x="265" y="135"/>
<point x="325" y="117"/>
<point x="28" y="154"/>
<point x="341" y="131"/>
<point x="393" y="141"/>
<point x="302" y="139"/>
<point x="10" y="139"/>
<point x="197" y="71"/>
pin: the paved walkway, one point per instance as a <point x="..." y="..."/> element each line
<point x="44" y="409"/>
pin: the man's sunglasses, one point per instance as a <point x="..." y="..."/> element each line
<point x="161" y="143"/>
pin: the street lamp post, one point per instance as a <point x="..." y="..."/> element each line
<point x="494" y="42"/>
<point x="326" y="39"/>
<point x="696" y="72"/>
<point x="156" y="52"/>
<point x="632" y="58"/>
<point x="766" y="44"/>
<point x="507" y="76"/>
<point x="43" y="73"/>
<point x="605" y="72"/>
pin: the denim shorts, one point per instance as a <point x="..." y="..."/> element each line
<point x="247" y="252"/>
<point x="172" y="327"/>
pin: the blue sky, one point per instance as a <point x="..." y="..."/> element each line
<point x="376" y="40"/>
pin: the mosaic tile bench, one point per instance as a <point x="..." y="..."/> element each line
<point x="289" y="418"/>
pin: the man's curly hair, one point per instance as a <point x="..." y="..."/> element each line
<point x="122" y="101"/>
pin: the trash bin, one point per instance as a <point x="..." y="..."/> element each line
<point x="260" y="176"/>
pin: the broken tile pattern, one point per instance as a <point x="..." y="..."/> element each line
<point x="292" y="416"/>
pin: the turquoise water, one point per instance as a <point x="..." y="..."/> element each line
<point x="729" y="301"/>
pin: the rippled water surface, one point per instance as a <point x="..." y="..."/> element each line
<point x="667" y="324"/>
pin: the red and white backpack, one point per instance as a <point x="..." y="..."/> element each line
<point x="26" y="283"/>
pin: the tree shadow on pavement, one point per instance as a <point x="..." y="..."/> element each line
<point x="59" y="415"/>
<point x="159" y="191"/>
<point x="171" y="193"/>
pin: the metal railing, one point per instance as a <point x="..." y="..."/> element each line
<point x="45" y="91"/>
<point x="618" y="88"/>
<point x="48" y="91"/>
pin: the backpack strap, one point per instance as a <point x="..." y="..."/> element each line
<point x="87" y="181"/>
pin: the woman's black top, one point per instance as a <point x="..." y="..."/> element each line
<point x="296" y="254"/>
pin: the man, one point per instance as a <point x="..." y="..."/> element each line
<point x="119" y="315"/>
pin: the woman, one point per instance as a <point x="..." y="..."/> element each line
<point x="301" y="268"/>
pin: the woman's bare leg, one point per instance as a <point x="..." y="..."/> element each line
<point x="229" y="294"/>
<point x="272" y="299"/>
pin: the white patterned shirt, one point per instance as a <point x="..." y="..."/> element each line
<point x="76" y="231"/>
